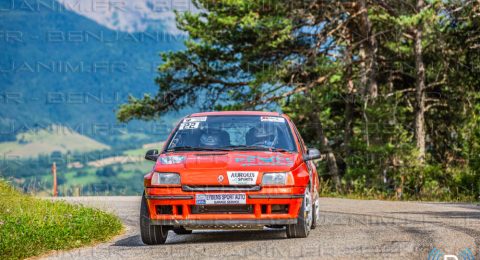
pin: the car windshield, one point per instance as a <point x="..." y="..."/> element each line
<point x="232" y="133"/>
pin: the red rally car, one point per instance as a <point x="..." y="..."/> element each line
<point x="223" y="170"/>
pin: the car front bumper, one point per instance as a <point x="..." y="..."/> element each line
<point x="176" y="207"/>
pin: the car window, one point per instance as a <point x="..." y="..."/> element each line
<point x="299" y="138"/>
<point x="233" y="132"/>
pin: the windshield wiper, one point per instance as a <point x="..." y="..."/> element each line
<point x="280" y="150"/>
<point x="228" y="148"/>
<point x="193" y="148"/>
<point x="256" y="148"/>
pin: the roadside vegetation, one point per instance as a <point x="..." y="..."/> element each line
<point x="387" y="90"/>
<point x="30" y="226"/>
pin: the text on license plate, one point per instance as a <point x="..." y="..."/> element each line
<point x="220" y="199"/>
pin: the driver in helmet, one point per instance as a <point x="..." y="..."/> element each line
<point x="263" y="134"/>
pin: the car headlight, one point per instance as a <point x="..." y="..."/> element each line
<point x="174" y="159"/>
<point x="277" y="178"/>
<point x="165" y="178"/>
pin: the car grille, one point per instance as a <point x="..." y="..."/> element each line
<point x="221" y="209"/>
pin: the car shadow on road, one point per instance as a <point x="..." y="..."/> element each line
<point x="131" y="241"/>
<point x="209" y="236"/>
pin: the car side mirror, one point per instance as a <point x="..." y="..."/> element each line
<point x="312" y="154"/>
<point x="152" y="155"/>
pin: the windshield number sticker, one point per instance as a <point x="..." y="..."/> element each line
<point x="189" y="125"/>
<point x="195" y="119"/>
<point x="272" y="119"/>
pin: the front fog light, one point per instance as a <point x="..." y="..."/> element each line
<point x="275" y="178"/>
<point x="165" y="178"/>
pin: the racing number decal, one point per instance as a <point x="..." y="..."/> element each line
<point x="189" y="125"/>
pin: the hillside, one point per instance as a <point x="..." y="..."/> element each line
<point x="55" y="138"/>
<point x="59" y="67"/>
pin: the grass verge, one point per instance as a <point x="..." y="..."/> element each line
<point x="31" y="226"/>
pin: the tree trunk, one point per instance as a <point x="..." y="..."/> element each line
<point x="349" y="109"/>
<point x="419" y="88"/>
<point x="331" y="159"/>
<point x="368" y="53"/>
<point x="350" y="96"/>
<point x="368" y="66"/>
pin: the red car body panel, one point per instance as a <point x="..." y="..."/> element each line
<point x="203" y="168"/>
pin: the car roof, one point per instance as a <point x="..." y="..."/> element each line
<point x="237" y="113"/>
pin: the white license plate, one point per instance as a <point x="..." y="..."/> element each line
<point x="221" y="199"/>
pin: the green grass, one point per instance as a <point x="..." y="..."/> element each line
<point x="87" y="178"/>
<point x="126" y="175"/>
<point x="31" y="226"/>
<point x="143" y="166"/>
<point x="141" y="151"/>
<point x="326" y="190"/>
<point x="136" y="152"/>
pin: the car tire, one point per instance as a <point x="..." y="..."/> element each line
<point x="275" y="226"/>
<point x="316" y="211"/>
<point x="150" y="234"/>
<point x="304" y="219"/>
<point x="182" y="231"/>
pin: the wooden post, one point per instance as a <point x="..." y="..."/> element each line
<point x="54" y="173"/>
<point x="399" y="191"/>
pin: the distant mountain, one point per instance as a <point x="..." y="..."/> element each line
<point x="61" y="67"/>
<point x="131" y="16"/>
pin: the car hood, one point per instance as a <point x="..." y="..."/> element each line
<point x="205" y="168"/>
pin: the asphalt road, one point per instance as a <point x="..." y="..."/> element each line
<point x="348" y="229"/>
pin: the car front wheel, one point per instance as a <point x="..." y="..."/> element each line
<point x="316" y="210"/>
<point x="304" y="219"/>
<point x="151" y="234"/>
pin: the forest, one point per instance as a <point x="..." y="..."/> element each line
<point x="389" y="91"/>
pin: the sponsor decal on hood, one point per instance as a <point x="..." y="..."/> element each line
<point x="256" y="160"/>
